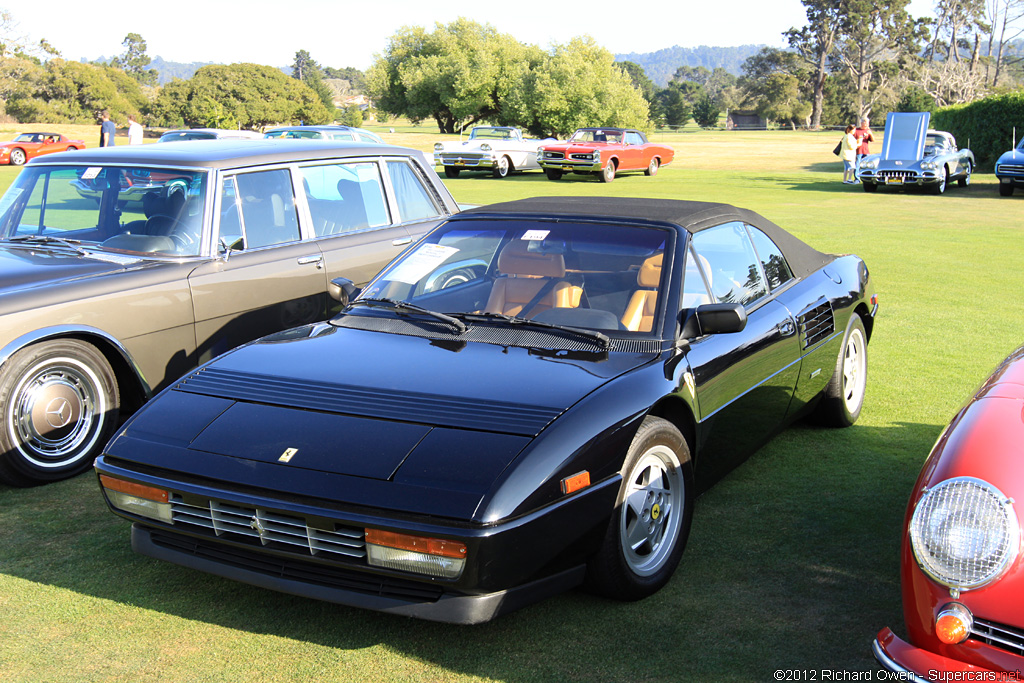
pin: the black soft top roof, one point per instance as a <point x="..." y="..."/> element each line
<point x="223" y="153"/>
<point x="691" y="216"/>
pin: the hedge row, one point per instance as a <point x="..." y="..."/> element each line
<point x="985" y="126"/>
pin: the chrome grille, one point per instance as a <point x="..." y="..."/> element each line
<point x="1015" y="169"/>
<point x="997" y="635"/>
<point x="554" y="155"/>
<point x="462" y="157"/>
<point x="582" y="157"/>
<point x="817" y="324"/>
<point x="906" y="175"/>
<point x="285" y="532"/>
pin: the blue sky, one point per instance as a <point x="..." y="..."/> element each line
<point x="339" y="33"/>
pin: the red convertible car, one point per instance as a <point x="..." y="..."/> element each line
<point x="962" y="576"/>
<point x="30" y="145"/>
<point x="605" y="152"/>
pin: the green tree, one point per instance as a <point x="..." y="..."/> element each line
<point x="774" y="84"/>
<point x="577" y="85"/>
<point x="73" y="92"/>
<point x="674" y="107"/>
<point x="134" y="60"/>
<point x="460" y="72"/>
<point x="815" y="44"/>
<point x="352" y="116"/>
<point x="306" y="69"/>
<point x="238" y="95"/>
<point x="706" y="111"/>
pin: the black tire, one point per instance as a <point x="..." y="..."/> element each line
<point x="17" y="157"/>
<point x="553" y="173"/>
<point x="60" y="407"/>
<point x="966" y="180"/>
<point x="652" y="168"/>
<point x="843" y="397"/>
<point x="607" y="173"/>
<point x="649" y="526"/>
<point x="870" y="187"/>
<point x="1006" y="189"/>
<point x="503" y="168"/>
<point x="451" y="172"/>
<point x="940" y="187"/>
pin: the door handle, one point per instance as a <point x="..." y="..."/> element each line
<point x="786" y="328"/>
<point x="318" y="259"/>
<point x="401" y="241"/>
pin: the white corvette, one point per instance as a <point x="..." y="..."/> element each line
<point x="498" y="149"/>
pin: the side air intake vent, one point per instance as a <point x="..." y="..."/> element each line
<point x="817" y="323"/>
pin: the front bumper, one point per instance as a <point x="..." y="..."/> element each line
<point x="898" y="179"/>
<point x="572" y="165"/>
<point x="508" y="565"/>
<point x="914" y="664"/>
<point x="470" y="161"/>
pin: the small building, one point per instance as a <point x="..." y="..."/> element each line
<point x="744" y="119"/>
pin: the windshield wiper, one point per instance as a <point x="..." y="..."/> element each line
<point x="591" y="335"/>
<point x="49" y="239"/>
<point x="406" y="307"/>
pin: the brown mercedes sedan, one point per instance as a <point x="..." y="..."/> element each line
<point x="122" y="268"/>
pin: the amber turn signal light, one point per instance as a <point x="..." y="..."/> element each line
<point x="953" y="625"/>
<point x="576" y="482"/>
<point x="132" y="489"/>
<point x="419" y="544"/>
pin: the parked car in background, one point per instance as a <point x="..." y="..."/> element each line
<point x="962" y="573"/>
<point x="27" y="146"/>
<point x="530" y="396"/>
<point x="208" y="134"/>
<point x="500" y="150"/>
<point x="125" y="267"/>
<point x="1010" y="170"/>
<point x="324" y="133"/>
<point x="914" y="156"/>
<point x="605" y="152"/>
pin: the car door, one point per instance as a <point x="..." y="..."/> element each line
<point x="268" y="278"/>
<point x="744" y="381"/>
<point x="634" y="152"/>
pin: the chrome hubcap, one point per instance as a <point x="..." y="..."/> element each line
<point x="650" y="517"/>
<point x="57" y="411"/>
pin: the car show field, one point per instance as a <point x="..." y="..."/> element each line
<point x="793" y="560"/>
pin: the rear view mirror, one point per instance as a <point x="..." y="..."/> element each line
<point x="715" y="319"/>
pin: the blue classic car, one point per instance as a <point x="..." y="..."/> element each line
<point x="1010" y="169"/>
<point x="913" y="155"/>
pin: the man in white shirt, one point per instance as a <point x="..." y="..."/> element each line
<point x="134" y="131"/>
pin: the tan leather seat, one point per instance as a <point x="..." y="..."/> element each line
<point x="523" y="275"/>
<point x="639" y="315"/>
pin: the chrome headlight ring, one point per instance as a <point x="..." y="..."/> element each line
<point x="965" y="533"/>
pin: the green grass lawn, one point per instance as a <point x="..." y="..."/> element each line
<point x="793" y="558"/>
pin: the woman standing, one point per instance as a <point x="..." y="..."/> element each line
<point x="848" y="153"/>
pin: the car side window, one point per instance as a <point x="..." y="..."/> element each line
<point x="776" y="270"/>
<point x="267" y="207"/>
<point x="344" y="197"/>
<point x="414" y="201"/>
<point x="633" y="139"/>
<point x="733" y="269"/>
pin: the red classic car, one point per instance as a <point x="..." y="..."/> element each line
<point x="30" y="145"/>
<point x="962" y="576"/>
<point x="605" y="152"/>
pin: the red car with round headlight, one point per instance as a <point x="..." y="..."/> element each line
<point x="963" y="576"/>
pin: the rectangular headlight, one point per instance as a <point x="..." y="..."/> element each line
<point x="430" y="556"/>
<point x="146" y="501"/>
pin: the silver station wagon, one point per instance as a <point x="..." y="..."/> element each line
<point x="125" y="267"/>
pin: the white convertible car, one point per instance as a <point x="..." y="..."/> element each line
<point x="498" y="149"/>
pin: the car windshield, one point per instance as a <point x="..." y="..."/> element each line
<point x="186" y="135"/>
<point x="119" y="209"/>
<point x="28" y="137"/>
<point x="490" y="134"/>
<point x="583" y="276"/>
<point x="295" y="134"/>
<point x="596" y="135"/>
<point x="934" y="144"/>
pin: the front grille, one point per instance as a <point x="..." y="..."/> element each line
<point x="817" y="324"/>
<point x="296" y="570"/>
<point x="1012" y="169"/>
<point x="905" y="175"/>
<point x="283" y="532"/>
<point x="462" y="157"/>
<point x="581" y="157"/>
<point x="554" y="155"/>
<point x="1003" y="637"/>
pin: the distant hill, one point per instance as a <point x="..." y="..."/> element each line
<point x="168" y="71"/>
<point x="661" y="65"/>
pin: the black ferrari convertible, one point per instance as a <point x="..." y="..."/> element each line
<point x="527" y="400"/>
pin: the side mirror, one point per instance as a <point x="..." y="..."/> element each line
<point x="713" y="319"/>
<point x="342" y="289"/>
